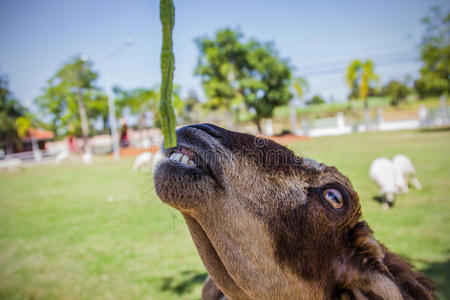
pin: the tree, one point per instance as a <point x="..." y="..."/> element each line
<point x="140" y="101"/>
<point x="137" y="101"/>
<point x="76" y="76"/>
<point x="97" y="109"/>
<point x="353" y="77"/>
<point x="316" y="99"/>
<point x="235" y="71"/>
<point x="397" y="91"/>
<point x="12" y="117"/>
<point x="435" y="54"/>
<point x="266" y="81"/>
<point x="72" y="98"/>
<point x="220" y="66"/>
<point x="368" y="76"/>
<point x="300" y="86"/>
<point x="360" y="76"/>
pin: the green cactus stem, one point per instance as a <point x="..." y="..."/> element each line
<point x="167" y="113"/>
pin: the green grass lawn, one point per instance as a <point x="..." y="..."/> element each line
<point x="60" y="237"/>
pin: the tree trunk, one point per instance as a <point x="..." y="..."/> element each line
<point x="366" y="114"/>
<point x="293" y="115"/>
<point x="105" y="124"/>
<point x="84" y="121"/>
<point x="258" y="125"/>
<point x="9" y="145"/>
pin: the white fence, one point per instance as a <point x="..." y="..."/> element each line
<point x="338" y="125"/>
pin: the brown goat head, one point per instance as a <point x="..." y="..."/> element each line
<point x="270" y="225"/>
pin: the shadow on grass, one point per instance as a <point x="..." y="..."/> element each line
<point x="382" y="200"/>
<point x="435" y="129"/>
<point x="440" y="273"/>
<point x="379" y="199"/>
<point x="184" y="283"/>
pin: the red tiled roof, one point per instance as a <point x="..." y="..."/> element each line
<point x="40" y="134"/>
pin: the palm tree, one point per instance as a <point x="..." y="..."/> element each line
<point x="352" y="77"/>
<point x="76" y="77"/>
<point x="367" y="77"/>
<point x="360" y="75"/>
<point x="300" y="86"/>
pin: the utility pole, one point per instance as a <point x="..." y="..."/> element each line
<point x="110" y="93"/>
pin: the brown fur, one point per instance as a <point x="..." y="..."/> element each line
<point x="264" y="231"/>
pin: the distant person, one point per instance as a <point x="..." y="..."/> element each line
<point x="124" y="141"/>
<point x="72" y="144"/>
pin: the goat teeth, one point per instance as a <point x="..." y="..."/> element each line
<point x="185" y="159"/>
<point x="176" y="156"/>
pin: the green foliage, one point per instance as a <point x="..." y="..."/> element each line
<point x="136" y="101"/>
<point x="221" y="65"/>
<point x="139" y="101"/>
<point x="71" y="96"/>
<point x="315" y="100"/>
<point x="14" y="118"/>
<point x="168" y="119"/>
<point x="267" y="81"/>
<point x="397" y="91"/>
<point x="435" y="54"/>
<point x="97" y="107"/>
<point x="235" y="71"/>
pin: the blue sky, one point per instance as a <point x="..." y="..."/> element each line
<point x="318" y="37"/>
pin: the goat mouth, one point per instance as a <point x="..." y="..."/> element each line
<point x="184" y="156"/>
<point x="190" y="171"/>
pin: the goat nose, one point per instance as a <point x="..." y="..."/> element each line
<point x="210" y="129"/>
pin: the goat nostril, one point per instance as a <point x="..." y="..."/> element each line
<point x="208" y="129"/>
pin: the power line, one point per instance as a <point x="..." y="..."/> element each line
<point x="341" y="67"/>
<point x="345" y="59"/>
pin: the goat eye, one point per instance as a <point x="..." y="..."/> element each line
<point x="334" y="197"/>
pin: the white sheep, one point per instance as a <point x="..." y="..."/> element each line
<point x="384" y="174"/>
<point x="146" y="159"/>
<point x="405" y="168"/>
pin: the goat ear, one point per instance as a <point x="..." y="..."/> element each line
<point x="363" y="271"/>
<point x="370" y="271"/>
<point x="375" y="285"/>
